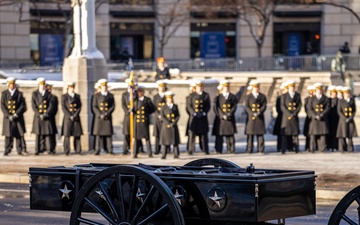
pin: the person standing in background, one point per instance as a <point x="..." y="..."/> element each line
<point x="159" y="102"/>
<point x="346" y="128"/>
<point x="255" y="106"/>
<point x="13" y="106"/>
<point x="71" y="127"/>
<point x="277" y="125"/>
<point x="52" y="115"/>
<point x="162" y="71"/>
<point x="332" y="141"/>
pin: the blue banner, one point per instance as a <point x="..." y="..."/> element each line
<point x="212" y="45"/>
<point x="51" y="50"/>
<point x="293" y="44"/>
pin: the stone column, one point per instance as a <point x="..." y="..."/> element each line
<point x="84" y="66"/>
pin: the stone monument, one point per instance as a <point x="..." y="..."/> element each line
<point x="86" y="64"/>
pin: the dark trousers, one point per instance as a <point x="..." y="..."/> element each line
<point x="343" y="146"/>
<point x="278" y="143"/>
<point x="138" y="146"/>
<point x="53" y="142"/>
<point x="77" y="145"/>
<point x="9" y="141"/>
<point x="319" y="141"/>
<point x="126" y="145"/>
<point x="203" y="142"/>
<point x="230" y="143"/>
<point x="332" y="141"/>
<point x="105" y="142"/>
<point x="307" y="142"/>
<point x="23" y="144"/>
<point x="157" y="145"/>
<point x="166" y="149"/>
<point x="290" y="142"/>
<point x="219" y="140"/>
<point x="42" y="144"/>
<point x="250" y="143"/>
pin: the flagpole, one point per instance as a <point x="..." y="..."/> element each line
<point x="131" y="84"/>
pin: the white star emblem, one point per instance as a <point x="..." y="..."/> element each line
<point x="216" y="199"/>
<point x="178" y="196"/>
<point x="65" y="192"/>
<point x="140" y="195"/>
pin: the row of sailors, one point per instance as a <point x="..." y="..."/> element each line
<point x="44" y="104"/>
<point x="329" y="124"/>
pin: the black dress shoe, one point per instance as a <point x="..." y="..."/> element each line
<point x="6" y="154"/>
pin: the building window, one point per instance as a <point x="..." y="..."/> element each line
<point x="135" y="40"/>
<point x="213" y="40"/>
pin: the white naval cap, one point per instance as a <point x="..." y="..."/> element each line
<point x="318" y="85"/>
<point x="254" y="83"/>
<point x="102" y="82"/>
<point x="224" y="83"/>
<point x="332" y="88"/>
<point x="10" y="80"/>
<point x="169" y="94"/>
<point x="40" y="80"/>
<point x="311" y="88"/>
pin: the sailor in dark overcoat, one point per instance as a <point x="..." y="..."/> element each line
<point x="159" y="102"/>
<point x="125" y="104"/>
<point x="95" y="142"/>
<point x="71" y="127"/>
<point x="346" y="127"/>
<point x="277" y="125"/>
<point x="143" y="108"/>
<point x="169" y="131"/>
<point x="332" y="141"/>
<point x="103" y="106"/>
<point x="199" y="106"/>
<point x="255" y="106"/>
<point x="226" y="108"/>
<point x="318" y="110"/>
<point x="290" y="104"/>
<point x="311" y="91"/>
<point x="52" y="117"/>
<point x="42" y="104"/>
<point x="13" y="107"/>
<point x="219" y="140"/>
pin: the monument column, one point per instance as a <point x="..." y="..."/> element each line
<point x="86" y="64"/>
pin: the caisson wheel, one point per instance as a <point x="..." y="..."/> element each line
<point x="126" y="195"/>
<point x="212" y="162"/>
<point x="347" y="210"/>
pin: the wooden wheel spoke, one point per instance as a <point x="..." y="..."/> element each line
<point x="133" y="196"/>
<point x="97" y="208"/>
<point x="358" y="201"/>
<point x="86" y="221"/>
<point x="109" y="201"/>
<point x="348" y="219"/>
<point x="156" y="214"/>
<point x="120" y="193"/>
<point x="143" y="206"/>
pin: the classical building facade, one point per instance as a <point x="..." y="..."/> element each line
<point x="35" y="32"/>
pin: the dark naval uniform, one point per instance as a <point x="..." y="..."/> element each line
<point x="255" y="122"/>
<point x="332" y="141"/>
<point x="143" y="109"/>
<point x="169" y="131"/>
<point x="159" y="102"/>
<point x="162" y="74"/>
<point x="52" y="115"/>
<point x="199" y="106"/>
<point x="125" y="104"/>
<point x="13" y="107"/>
<point x="318" y="110"/>
<point x="215" y="129"/>
<point x="226" y="107"/>
<point x="277" y="125"/>
<point x="290" y="107"/>
<point x="71" y="126"/>
<point x="346" y="126"/>
<point x="306" y="125"/>
<point x="103" y="107"/>
<point x="42" y="125"/>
